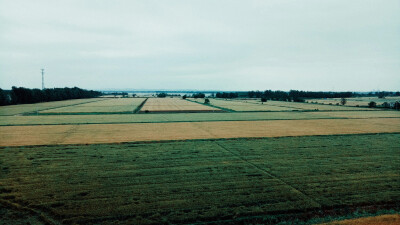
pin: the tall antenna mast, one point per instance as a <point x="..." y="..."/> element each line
<point x="42" y="79"/>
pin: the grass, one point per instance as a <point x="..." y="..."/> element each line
<point x="267" y="180"/>
<point x="117" y="133"/>
<point x="187" y="117"/>
<point x="170" y="117"/>
<point x="113" y="105"/>
<point x="174" y="105"/>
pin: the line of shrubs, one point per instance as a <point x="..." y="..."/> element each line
<point x="21" y="95"/>
<point x="392" y="105"/>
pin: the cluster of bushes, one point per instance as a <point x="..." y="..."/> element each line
<point x="296" y="96"/>
<point x="395" y="105"/>
<point x="227" y="95"/>
<point x="162" y="95"/>
<point x="21" y="95"/>
<point x="199" y="95"/>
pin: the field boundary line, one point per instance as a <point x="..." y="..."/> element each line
<point x="137" y="110"/>
<point x="211" y="105"/>
<point x="269" y="174"/>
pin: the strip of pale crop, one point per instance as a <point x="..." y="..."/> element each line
<point x="188" y="117"/>
<point x="114" y="105"/>
<point x="117" y="133"/>
<point x="37" y="107"/>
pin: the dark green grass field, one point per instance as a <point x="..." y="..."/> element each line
<point x="265" y="180"/>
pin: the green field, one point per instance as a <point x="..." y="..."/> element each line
<point x="265" y="180"/>
<point x="187" y="117"/>
<point x="306" y="106"/>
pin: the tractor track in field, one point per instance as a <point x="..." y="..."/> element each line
<point x="28" y="213"/>
<point x="268" y="173"/>
<point x="271" y="175"/>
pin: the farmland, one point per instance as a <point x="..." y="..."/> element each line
<point x="188" y="117"/>
<point x="176" y="161"/>
<point x="114" y="105"/>
<point x="256" y="105"/>
<point x="35" y="108"/>
<point x="361" y="101"/>
<point x="174" y="105"/>
<point x="117" y="133"/>
<point x="199" y="181"/>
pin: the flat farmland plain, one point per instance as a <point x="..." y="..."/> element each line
<point x="95" y="163"/>
<point x="113" y="105"/>
<point x="263" y="181"/>
<point x="35" y="108"/>
<point x="117" y="133"/>
<point x="174" y="105"/>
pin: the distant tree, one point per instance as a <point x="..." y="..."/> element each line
<point x="206" y="101"/>
<point x="162" y="95"/>
<point x="263" y="99"/>
<point x="385" y="105"/>
<point x="227" y="95"/>
<point x="343" y="101"/>
<point x="381" y="94"/>
<point x="184" y="97"/>
<point x="3" y="97"/>
<point x="199" y="95"/>
<point x="372" y="104"/>
<point x="297" y="99"/>
<point x="396" y="105"/>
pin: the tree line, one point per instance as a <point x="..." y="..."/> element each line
<point x="299" y="96"/>
<point x="21" y="95"/>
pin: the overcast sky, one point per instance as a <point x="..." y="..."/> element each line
<point x="329" y="45"/>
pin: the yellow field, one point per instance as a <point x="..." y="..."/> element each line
<point x="358" y="114"/>
<point x="376" y="220"/>
<point x="27" y="108"/>
<point x="116" y="133"/>
<point x="174" y="105"/>
<point x="107" y="105"/>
